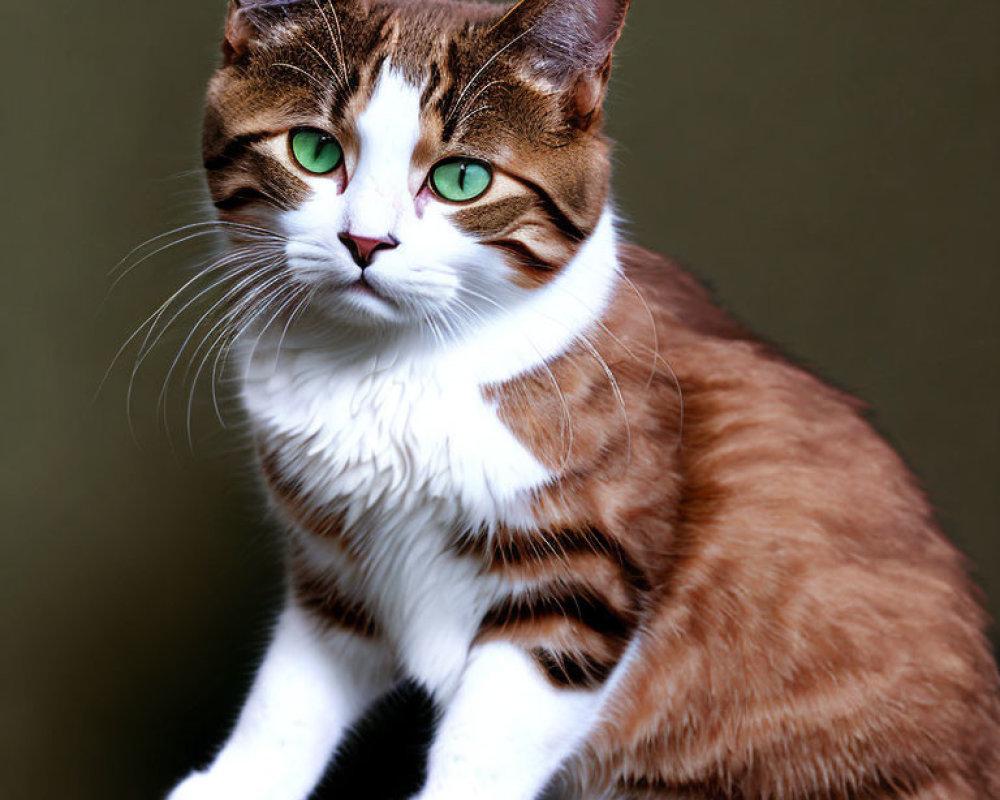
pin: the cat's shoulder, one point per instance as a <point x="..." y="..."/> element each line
<point x="707" y="346"/>
<point x="671" y="291"/>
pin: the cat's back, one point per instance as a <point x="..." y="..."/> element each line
<point x="804" y="582"/>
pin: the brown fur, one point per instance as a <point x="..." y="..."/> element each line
<point x="803" y="630"/>
<point x="326" y="602"/>
<point x="806" y="631"/>
<point x="316" y="63"/>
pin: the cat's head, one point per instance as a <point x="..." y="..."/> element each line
<point x="420" y="159"/>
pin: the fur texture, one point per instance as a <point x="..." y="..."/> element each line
<point x="630" y="550"/>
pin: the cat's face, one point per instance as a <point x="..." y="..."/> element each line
<point x="424" y="162"/>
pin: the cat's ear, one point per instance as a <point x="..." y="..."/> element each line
<point x="245" y="24"/>
<point x="569" y="43"/>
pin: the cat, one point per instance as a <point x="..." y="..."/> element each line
<point x="629" y="550"/>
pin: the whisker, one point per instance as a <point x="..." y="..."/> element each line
<point x="431" y="320"/>
<point x="479" y="93"/>
<point x="263" y="330"/>
<point x="340" y="39"/>
<point x="652" y="323"/>
<point x="458" y="103"/>
<point x="326" y="63"/>
<point x="471" y="114"/>
<point x="339" y="44"/>
<point x="312" y="79"/>
<point x="151" y="319"/>
<point x="616" y="388"/>
<point x="206" y="224"/>
<point x="156" y="252"/>
<point x="307" y="296"/>
<point x="233" y="291"/>
<point x="231" y="317"/>
<point x="659" y="357"/>
<point x="222" y="262"/>
<point x="582" y="337"/>
<point x="148" y="345"/>
<point x="568" y="434"/>
<point x="215" y="228"/>
<point x="485" y="88"/>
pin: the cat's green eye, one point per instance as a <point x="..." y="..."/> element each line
<point x="315" y="151"/>
<point x="461" y="180"/>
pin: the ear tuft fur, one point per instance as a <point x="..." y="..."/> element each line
<point x="569" y="43"/>
<point x="242" y="26"/>
<point x="569" y="37"/>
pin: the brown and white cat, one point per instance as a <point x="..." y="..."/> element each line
<point x="629" y="550"/>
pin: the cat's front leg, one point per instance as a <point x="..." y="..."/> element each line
<point x="314" y="683"/>
<point x="506" y="730"/>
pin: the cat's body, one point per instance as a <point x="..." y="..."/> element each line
<point x="625" y="547"/>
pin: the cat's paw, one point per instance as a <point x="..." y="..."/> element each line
<point x="235" y="784"/>
<point x="196" y="786"/>
<point x="208" y="786"/>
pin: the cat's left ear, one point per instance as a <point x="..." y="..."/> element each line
<point x="245" y="24"/>
<point x="569" y="43"/>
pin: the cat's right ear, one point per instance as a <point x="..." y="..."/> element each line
<point x="245" y="23"/>
<point x="569" y="43"/>
<point x="239" y="33"/>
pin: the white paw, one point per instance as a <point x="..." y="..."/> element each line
<point x="208" y="786"/>
<point x="460" y="794"/>
<point x="196" y="786"/>
<point x="240" y="782"/>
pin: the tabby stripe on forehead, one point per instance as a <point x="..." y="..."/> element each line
<point x="446" y="104"/>
<point x="433" y="84"/>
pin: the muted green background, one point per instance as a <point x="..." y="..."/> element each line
<point x="831" y="168"/>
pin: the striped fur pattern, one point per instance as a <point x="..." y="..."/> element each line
<point x="631" y="551"/>
<point x="478" y="99"/>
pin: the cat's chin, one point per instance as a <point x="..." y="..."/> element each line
<point x="363" y="295"/>
<point x="361" y="306"/>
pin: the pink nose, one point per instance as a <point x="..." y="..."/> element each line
<point x="364" y="248"/>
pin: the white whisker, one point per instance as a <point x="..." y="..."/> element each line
<point x="326" y="63"/>
<point x="232" y="292"/>
<point x="311" y="78"/>
<point x="567" y="422"/>
<point x="245" y="308"/>
<point x="458" y="103"/>
<point x="339" y="43"/>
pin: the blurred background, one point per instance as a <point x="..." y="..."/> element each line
<point x="831" y="169"/>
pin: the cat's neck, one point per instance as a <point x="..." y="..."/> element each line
<point x="498" y="348"/>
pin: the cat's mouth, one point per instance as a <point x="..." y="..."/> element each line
<point x="363" y="288"/>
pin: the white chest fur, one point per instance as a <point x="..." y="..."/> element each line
<point x="381" y="438"/>
<point x="408" y="450"/>
<point x="412" y="454"/>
